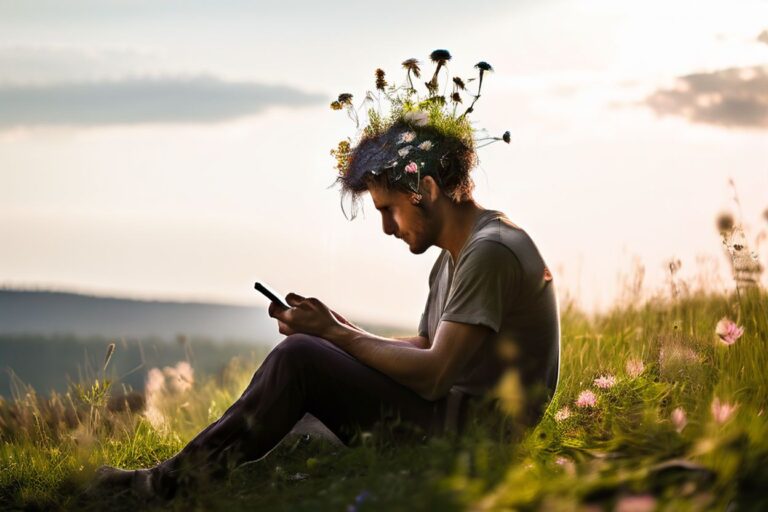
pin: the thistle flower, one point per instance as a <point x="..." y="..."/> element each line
<point x="728" y="331"/>
<point x="635" y="367"/>
<point x="482" y="66"/>
<point x="725" y="222"/>
<point x="586" y="399"/>
<point x="381" y="83"/>
<point x="679" y="419"/>
<point x="411" y="167"/>
<point x="722" y="411"/>
<point x="563" y="414"/>
<point x="605" y="381"/>
<point x="439" y="57"/>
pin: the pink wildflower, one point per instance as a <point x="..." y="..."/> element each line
<point x="721" y="411"/>
<point x="586" y="399"/>
<point x="411" y="167"/>
<point x="728" y="331"/>
<point x="605" y="381"/>
<point x="679" y="419"/>
<point x="637" y="503"/>
<point x="563" y="414"/>
<point x="635" y="367"/>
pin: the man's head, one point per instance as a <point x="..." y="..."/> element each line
<point x="396" y="165"/>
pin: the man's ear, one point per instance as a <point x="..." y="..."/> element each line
<point x="429" y="188"/>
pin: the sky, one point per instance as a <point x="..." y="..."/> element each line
<point x="180" y="149"/>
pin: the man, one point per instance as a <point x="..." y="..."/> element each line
<point x="491" y="313"/>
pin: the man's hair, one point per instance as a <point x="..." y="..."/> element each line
<point x="451" y="171"/>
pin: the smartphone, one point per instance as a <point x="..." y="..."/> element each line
<point x="271" y="294"/>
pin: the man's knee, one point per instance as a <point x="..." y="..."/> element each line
<point x="298" y="349"/>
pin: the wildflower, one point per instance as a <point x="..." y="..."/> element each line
<point x="335" y="105"/>
<point x="411" y="167"/>
<point x="406" y="137"/>
<point x="404" y="151"/>
<point x="636" y="503"/>
<point x="456" y="97"/>
<point x="345" y="98"/>
<point x="506" y="137"/>
<point x="728" y="331"/>
<point x="563" y="414"/>
<point x="605" y="381"/>
<point x="425" y="146"/>
<point x="416" y="117"/>
<point x="721" y="411"/>
<point x="439" y="57"/>
<point x="724" y="222"/>
<point x="412" y="66"/>
<point x="461" y="86"/>
<point x="381" y="83"/>
<point x="635" y="367"/>
<point x="679" y="419"/>
<point x="586" y="399"/>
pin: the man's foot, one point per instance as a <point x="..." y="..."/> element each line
<point x="111" y="479"/>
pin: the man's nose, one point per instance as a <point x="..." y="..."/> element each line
<point x="388" y="226"/>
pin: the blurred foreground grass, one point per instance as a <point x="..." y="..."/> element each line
<point x="654" y="411"/>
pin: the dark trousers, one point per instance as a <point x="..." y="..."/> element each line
<point x="303" y="374"/>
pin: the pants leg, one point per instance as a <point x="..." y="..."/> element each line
<point x="302" y="374"/>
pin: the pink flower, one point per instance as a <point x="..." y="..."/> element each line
<point x="605" y="381"/>
<point x="563" y="414"/>
<point x="721" y="411"/>
<point x="728" y="331"/>
<point x="637" y="503"/>
<point x="635" y="367"/>
<point x="679" y="419"/>
<point x="586" y="399"/>
<point x="411" y="167"/>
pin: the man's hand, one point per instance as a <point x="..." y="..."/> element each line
<point x="306" y="315"/>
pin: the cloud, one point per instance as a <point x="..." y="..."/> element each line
<point x="733" y="97"/>
<point x="763" y="37"/>
<point x="177" y="99"/>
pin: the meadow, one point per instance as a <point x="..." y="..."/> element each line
<point x="660" y="406"/>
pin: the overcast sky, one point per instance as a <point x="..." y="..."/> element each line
<point x="179" y="149"/>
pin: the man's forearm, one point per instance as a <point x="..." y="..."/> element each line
<point x="405" y="363"/>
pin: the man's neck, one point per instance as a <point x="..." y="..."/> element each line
<point x="458" y="221"/>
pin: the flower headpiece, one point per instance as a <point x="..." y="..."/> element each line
<point x="418" y="137"/>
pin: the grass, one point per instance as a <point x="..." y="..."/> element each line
<point x="629" y="451"/>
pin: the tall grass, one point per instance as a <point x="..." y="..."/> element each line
<point x="657" y="435"/>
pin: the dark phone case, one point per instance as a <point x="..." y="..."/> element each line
<point x="271" y="294"/>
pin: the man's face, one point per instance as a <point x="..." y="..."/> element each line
<point x="406" y="221"/>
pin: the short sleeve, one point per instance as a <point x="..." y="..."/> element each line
<point x="483" y="282"/>
<point x="424" y="322"/>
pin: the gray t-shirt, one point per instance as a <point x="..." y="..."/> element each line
<point x="501" y="281"/>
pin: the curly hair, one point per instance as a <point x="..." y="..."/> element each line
<point x="451" y="170"/>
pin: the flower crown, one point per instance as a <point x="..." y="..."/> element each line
<point x="418" y="135"/>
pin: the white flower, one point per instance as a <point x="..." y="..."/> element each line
<point x="406" y="137"/>
<point x="404" y="151"/>
<point x="425" y="146"/>
<point x="417" y="117"/>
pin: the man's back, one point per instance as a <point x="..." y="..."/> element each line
<point x="500" y="280"/>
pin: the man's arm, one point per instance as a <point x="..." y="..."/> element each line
<point x="416" y="341"/>
<point x="430" y="372"/>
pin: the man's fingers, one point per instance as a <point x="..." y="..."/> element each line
<point x="293" y="299"/>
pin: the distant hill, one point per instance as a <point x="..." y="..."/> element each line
<point x="57" y="313"/>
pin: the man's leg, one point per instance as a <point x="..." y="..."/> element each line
<point x="302" y="374"/>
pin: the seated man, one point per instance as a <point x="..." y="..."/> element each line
<point x="491" y="309"/>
